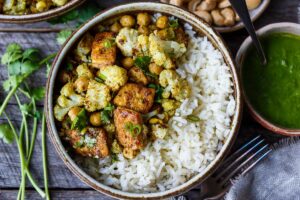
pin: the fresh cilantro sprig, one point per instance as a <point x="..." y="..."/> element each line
<point x="143" y="63"/>
<point x="174" y="23"/>
<point x="63" y="35"/>
<point x="74" y="19"/>
<point x="106" y="113"/>
<point x="80" y="121"/>
<point x="158" y="92"/>
<point x="20" y="65"/>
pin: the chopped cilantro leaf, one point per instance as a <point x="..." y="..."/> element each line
<point x="158" y="92"/>
<point x="143" y="62"/>
<point x="80" y="121"/>
<point x="63" y="35"/>
<point x="106" y="113"/>
<point x="6" y="133"/>
<point x="79" y="143"/>
<point x="174" y="23"/>
<point x="89" y="142"/>
<point x="114" y="158"/>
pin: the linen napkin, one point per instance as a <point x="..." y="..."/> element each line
<point x="277" y="177"/>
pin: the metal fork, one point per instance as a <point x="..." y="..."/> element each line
<point x="239" y="163"/>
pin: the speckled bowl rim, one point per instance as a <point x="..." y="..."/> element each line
<point x="285" y="27"/>
<point x="52" y="13"/>
<point x="151" y="7"/>
<point x="264" y="5"/>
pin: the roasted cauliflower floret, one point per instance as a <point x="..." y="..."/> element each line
<point x="15" y="7"/>
<point x="59" y="2"/>
<point x="67" y="100"/>
<point x="159" y="130"/>
<point x="84" y="70"/>
<point x="115" y="77"/>
<point x="127" y="41"/>
<point x="178" y="87"/>
<point x="169" y="104"/>
<point x="97" y="96"/>
<point x="84" y="47"/>
<point x="143" y="45"/>
<point x="162" y="52"/>
<point x="115" y="147"/>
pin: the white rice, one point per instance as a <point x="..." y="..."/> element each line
<point x="189" y="147"/>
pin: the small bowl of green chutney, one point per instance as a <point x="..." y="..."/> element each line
<point x="272" y="91"/>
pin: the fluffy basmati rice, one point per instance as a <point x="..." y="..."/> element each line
<point x="189" y="146"/>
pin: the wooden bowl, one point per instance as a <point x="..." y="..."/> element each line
<point x="272" y="28"/>
<point x="52" y="13"/>
<point x="198" y="25"/>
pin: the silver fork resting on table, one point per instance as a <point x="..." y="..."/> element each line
<point x="239" y="163"/>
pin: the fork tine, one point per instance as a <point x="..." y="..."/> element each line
<point x="235" y="154"/>
<point x="243" y="155"/>
<point x="229" y="176"/>
<point x="256" y="161"/>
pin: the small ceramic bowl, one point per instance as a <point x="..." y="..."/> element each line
<point x="30" y="18"/>
<point x="272" y="28"/>
<point x="254" y="14"/>
<point x="199" y="26"/>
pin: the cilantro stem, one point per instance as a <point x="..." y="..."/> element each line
<point x="45" y="60"/>
<point x="34" y="131"/>
<point x="25" y="125"/>
<point x="44" y="149"/>
<point x="23" y="180"/>
<point x="23" y="162"/>
<point x="6" y="100"/>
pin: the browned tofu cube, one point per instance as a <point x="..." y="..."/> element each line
<point x="104" y="50"/>
<point x="94" y="143"/>
<point x="135" y="97"/>
<point x="123" y="118"/>
<point x="136" y="75"/>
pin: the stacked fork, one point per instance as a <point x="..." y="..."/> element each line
<point x="239" y="163"/>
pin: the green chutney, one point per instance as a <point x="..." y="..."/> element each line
<point x="274" y="90"/>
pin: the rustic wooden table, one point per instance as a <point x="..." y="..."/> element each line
<point x="63" y="184"/>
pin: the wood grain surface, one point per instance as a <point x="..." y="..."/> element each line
<point x="63" y="184"/>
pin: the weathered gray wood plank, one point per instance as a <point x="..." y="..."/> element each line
<point x="56" y="195"/>
<point x="59" y="175"/>
<point x="73" y="195"/>
<point x="63" y="183"/>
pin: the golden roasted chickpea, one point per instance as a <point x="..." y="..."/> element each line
<point x="41" y="6"/>
<point x="152" y="27"/>
<point x="116" y="27"/>
<point x="143" y="30"/>
<point x="95" y="119"/>
<point x="127" y="62"/>
<point x="81" y="84"/>
<point x="155" y="69"/>
<point x="73" y="112"/>
<point x="127" y="21"/>
<point x="163" y="34"/>
<point x="162" y="22"/>
<point x="143" y="19"/>
<point x="64" y="77"/>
